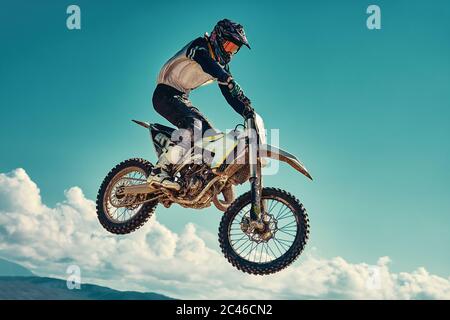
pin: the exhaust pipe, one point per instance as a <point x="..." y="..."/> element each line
<point x="228" y="196"/>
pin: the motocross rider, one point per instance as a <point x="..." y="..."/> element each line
<point x="200" y="62"/>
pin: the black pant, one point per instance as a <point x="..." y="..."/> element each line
<point x="175" y="106"/>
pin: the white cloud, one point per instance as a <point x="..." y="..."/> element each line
<point x="48" y="240"/>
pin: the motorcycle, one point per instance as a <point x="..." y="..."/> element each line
<point x="261" y="232"/>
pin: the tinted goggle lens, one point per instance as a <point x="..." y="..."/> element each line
<point x="230" y="47"/>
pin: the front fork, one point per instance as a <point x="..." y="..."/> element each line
<point x="255" y="171"/>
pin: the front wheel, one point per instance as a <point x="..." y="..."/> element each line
<point x="267" y="249"/>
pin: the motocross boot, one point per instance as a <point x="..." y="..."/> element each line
<point x="160" y="174"/>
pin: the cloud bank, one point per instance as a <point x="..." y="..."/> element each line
<point x="48" y="240"/>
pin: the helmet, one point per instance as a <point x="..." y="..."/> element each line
<point x="226" y="39"/>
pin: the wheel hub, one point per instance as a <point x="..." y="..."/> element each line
<point x="259" y="231"/>
<point x="120" y="192"/>
<point x="120" y="199"/>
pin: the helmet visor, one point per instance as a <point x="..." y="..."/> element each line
<point x="230" y="47"/>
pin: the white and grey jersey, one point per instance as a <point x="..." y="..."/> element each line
<point x="193" y="66"/>
<point x="184" y="73"/>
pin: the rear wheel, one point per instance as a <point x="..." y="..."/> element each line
<point x="267" y="249"/>
<point x="116" y="211"/>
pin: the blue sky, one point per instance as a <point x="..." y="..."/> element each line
<point x="367" y="111"/>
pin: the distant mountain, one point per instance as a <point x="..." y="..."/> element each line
<point x="39" y="288"/>
<point x="18" y="283"/>
<point x="11" y="269"/>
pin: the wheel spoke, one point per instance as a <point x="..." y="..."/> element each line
<point x="285" y="217"/>
<point x="251" y="249"/>
<point x="260" y="255"/>
<point x="287" y="214"/>
<point x="281" y="244"/>
<point x="276" y="245"/>
<point x="245" y="236"/>
<point x="272" y="209"/>
<point x="287" y="232"/>
<point x="283" y="240"/>
<point x="256" y="251"/>
<point x="286" y="225"/>
<point x="243" y="250"/>
<point x="281" y="211"/>
<point x="268" y="246"/>
<point x="266" y="252"/>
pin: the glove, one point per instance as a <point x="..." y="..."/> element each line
<point x="236" y="92"/>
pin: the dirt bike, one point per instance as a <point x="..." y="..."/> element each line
<point x="261" y="232"/>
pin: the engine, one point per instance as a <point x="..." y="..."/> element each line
<point x="197" y="181"/>
<point x="193" y="179"/>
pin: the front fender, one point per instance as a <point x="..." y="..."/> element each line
<point x="272" y="152"/>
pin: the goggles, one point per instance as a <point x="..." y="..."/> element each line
<point x="230" y="47"/>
